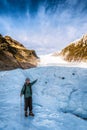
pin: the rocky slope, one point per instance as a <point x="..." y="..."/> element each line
<point x="14" y="55"/>
<point x="76" y="51"/>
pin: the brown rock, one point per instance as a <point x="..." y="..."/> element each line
<point x="14" y="55"/>
<point x="76" y="51"/>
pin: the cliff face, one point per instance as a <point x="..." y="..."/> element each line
<point x="14" y="55"/>
<point x="76" y="51"/>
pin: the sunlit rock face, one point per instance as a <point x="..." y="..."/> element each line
<point x="14" y="55"/>
<point x="85" y="39"/>
<point x="76" y="51"/>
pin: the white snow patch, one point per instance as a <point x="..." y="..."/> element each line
<point x="49" y="60"/>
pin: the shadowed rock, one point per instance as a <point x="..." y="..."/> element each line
<point x="14" y="55"/>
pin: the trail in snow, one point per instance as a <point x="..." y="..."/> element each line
<point x="58" y="104"/>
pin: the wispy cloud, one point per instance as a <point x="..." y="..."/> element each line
<point x="46" y="32"/>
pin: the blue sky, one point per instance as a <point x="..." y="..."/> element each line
<point x="44" y="25"/>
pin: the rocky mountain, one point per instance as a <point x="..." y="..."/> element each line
<point x="14" y="55"/>
<point x="76" y="51"/>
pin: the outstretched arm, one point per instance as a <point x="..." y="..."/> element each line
<point x="32" y="83"/>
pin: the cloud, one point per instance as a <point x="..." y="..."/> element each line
<point x="47" y="26"/>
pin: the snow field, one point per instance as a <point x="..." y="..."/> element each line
<point x="59" y="99"/>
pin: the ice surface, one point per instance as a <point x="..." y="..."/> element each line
<point x="59" y="99"/>
<point x="50" y="60"/>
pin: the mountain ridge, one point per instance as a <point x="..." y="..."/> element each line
<point x="76" y="51"/>
<point x="14" y="55"/>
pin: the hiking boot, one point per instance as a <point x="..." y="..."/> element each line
<point x="31" y="114"/>
<point x="26" y="114"/>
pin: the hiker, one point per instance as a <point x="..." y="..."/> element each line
<point x="27" y="92"/>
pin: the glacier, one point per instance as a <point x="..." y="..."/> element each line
<point x="59" y="99"/>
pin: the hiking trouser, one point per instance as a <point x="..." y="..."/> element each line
<point x="28" y="104"/>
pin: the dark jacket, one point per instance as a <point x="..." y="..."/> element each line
<point x="27" y="89"/>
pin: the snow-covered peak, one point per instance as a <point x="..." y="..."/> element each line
<point x="76" y="51"/>
<point x="85" y="39"/>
